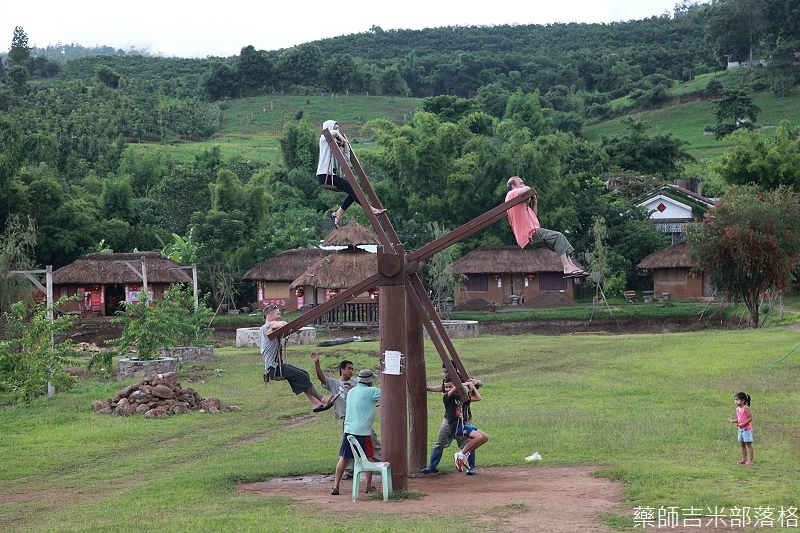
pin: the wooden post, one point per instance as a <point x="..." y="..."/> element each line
<point x="394" y="419"/>
<point x="417" y="391"/>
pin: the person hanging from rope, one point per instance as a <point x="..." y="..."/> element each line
<point x="525" y="225"/>
<point x="328" y="174"/>
<point x="445" y="436"/>
<point x="459" y="426"/>
<point x="275" y="368"/>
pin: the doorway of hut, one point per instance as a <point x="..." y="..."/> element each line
<point x="115" y="295"/>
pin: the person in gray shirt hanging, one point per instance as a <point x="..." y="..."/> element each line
<point x="275" y="368"/>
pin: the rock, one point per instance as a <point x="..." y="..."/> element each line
<point x="157" y="413"/>
<point x="158" y="396"/>
<point x="163" y="391"/>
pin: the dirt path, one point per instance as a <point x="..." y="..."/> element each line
<point x="536" y="498"/>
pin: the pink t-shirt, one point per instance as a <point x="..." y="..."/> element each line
<point x="521" y="217"/>
<point x="741" y="416"/>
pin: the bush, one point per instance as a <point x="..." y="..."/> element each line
<point x="30" y="361"/>
<point x="150" y="326"/>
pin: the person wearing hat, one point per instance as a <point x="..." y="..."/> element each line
<point x="343" y="385"/>
<point x="358" y="420"/>
<point x="298" y="378"/>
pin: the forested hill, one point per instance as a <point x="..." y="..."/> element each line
<point x="459" y="60"/>
<point x="572" y="52"/>
<point x="450" y="60"/>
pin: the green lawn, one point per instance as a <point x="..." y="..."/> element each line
<point x="648" y="410"/>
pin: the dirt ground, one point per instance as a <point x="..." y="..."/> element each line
<point x="526" y="498"/>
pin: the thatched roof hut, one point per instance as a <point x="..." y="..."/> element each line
<point x="339" y="270"/>
<point x="507" y="259"/>
<point x="510" y="275"/>
<point x="351" y="235"/>
<point x="675" y="256"/>
<point x="107" y="269"/>
<point x="286" y="266"/>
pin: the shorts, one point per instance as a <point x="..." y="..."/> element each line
<point x="364" y="440"/>
<point x="745" y="435"/>
<point x="463" y="431"/>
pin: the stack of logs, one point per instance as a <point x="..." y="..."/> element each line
<point x="158" y="396"/>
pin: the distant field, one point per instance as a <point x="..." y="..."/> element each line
<point x="688" y="121"/>
<point x="250" y="127"/>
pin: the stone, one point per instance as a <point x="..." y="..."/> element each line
<point x="210" y="403"/>
<point x="163" y="391"/>
<point x="157" y="413"/>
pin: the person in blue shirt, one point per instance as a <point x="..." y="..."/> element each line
<point x="359" y="417"/>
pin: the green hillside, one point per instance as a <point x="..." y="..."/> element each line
<point x="688" y="117"/>
<point x="251" y="127"/>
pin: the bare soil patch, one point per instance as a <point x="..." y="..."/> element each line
<point x="534" y="498"/>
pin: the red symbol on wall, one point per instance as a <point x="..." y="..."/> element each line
<point x="661" y="208"/>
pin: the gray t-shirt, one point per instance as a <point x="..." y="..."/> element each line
<point x="269" y="348"/>
<point x="337" y="385"/>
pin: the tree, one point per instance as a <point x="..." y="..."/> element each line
<point x="301" y="65"/>
<point x="107" y="76"/>
<point x="20" y="52"/>
<point x="16" y="253"/>
<point x="737" y="108"/>
<point x="768" y="162"/>
<point x="748" y="244"/>
<point x="636" y="150"/>
<point x="30" y="361"/>
<point x="439" y="272"/>
<point x="254" y="70"/>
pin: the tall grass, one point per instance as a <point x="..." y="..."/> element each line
<point x="648" y="410"/>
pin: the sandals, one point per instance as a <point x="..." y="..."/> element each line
<point x="326" y="406"/>
<point x="335" y="220"/>
<point x="335" y="491"/>
<point x="576" y="274"/>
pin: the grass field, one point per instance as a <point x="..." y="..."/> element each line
<point x="251" y="127"/>
<point x="647" y="410"/>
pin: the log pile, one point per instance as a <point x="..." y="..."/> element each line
<point x="158" y="396"/>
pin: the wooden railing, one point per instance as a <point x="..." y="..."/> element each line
<point x="350" y="313"/>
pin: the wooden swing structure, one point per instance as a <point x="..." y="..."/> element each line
<point x="404" y="310"/>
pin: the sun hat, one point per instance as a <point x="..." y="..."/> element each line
<point x="365" y="375"/>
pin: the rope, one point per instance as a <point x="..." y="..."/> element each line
<point x="784" y="357"/>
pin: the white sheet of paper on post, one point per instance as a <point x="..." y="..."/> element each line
<point x="391" y="362"/>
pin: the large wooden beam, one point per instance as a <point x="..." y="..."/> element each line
<point x="464" y="231"/>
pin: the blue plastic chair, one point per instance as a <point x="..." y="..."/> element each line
<point x="361" y="463"/>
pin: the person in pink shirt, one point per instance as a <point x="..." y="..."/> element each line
<point x="525" y="225"/>
<point x="744" y="421"/>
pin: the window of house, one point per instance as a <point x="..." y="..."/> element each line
<point x="551" y="281"/>
<point x="672" y="275"/>
<point x="477" y="282"/>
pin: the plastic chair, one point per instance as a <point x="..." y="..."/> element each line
<point x="361" y="463"/>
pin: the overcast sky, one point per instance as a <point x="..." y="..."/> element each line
<point x="201" y="29"/>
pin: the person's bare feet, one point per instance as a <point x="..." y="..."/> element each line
<point x="377" y="211"/>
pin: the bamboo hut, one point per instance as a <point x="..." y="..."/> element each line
<point x="509" y="275"/>
<point x="274" y="276"/>
<point x="341" y="270"/>
<point x="672" y="273"/>
<point x="101" y="281"/>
